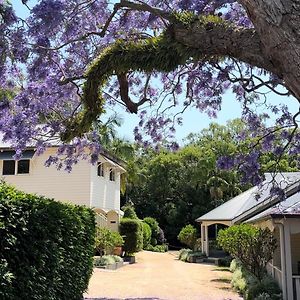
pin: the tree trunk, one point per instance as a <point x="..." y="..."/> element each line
<point x="277" y="22"/>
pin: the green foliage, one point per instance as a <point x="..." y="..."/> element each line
<point x="157" y="248"/>
<point x="253" y="246"/>
<point x="46" y="247"/>
<point x="188" y="236"/>
<point x="106" y="260"/>
<point x="178" y="187"/>
<point x="234" y="265"/>
<point x="263" y="296"/>
<point x="251" y="288"/>
<point x="146" y="235"/>
<point x="106" y="240"/>
<point x="129" y="213"/>
<point x="183" y="254"/>
<point x="161" y="53"/>
<point x="132" y="231"/>
<point x="188" y="255"/>
<point x="154" y="226"/>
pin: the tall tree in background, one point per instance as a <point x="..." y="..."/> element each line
<point x="70" y="60"/>
<point x="178" y="187"/>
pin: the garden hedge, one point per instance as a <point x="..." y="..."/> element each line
<point x="132" y="232"/>
<point x="146" y="235"/>
<point x="46" y="247"/>
<point x="154" y="229"/>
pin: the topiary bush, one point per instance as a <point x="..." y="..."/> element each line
<point x="146" y="235"/>
<point x="129" y="212"/>
<point x="188" y="236"/>
<point x="46" y="247"/>
<point x="155" y="232"/>
<point x="132" y="232"/>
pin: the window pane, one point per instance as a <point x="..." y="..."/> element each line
<point x="100" y="170"/>
<point x="111" y="175"/>
<point x="8" y="167"/>
<point x="23" y="166"/>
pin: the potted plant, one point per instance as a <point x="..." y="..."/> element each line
<point x="118" y="242"/>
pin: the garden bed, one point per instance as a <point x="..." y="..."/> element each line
<point x="108" y="262"/>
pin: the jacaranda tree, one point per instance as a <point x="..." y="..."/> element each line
<point x="69" y="60"/>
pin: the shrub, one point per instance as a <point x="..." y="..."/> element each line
<point x="251" y="288"/>
<point x="192" y="256"/>
<point x="154" y="229"/>
<point x="132" y="232"/>
<point x="129" y="213"/>
<point x="161" y="237"/>
<point x="157" y="248"/>
<point x="107" y="240"/>
<point x="46" y="247"/>
<point x="188" y="236"/>
<point x="146" y="235"/>
<point x="234" y="265"/>
<point x="263" y="296"/>
<point x="117" y="258"/>
<point x="183" y="254"/>
<point x="104" y="260"/>
<point x="266" y="286"/>
<point x="253" y="246"/>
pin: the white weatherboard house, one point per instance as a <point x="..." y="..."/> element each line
<point x="281" y="216"/>
<point x="96" y="186"/>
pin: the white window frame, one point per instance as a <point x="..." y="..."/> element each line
<point x="16" y="167"/>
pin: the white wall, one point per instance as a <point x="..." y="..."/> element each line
<point x="68" y="187"/>
<point x="105" y="193"/>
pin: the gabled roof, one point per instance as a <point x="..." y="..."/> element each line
<point x="254" y="200"/>
<point x="230" y="209"/>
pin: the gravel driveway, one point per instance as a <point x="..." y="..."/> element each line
<point x="160" y="276"/>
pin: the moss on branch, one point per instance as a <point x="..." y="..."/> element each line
<point x="161" y="53"/>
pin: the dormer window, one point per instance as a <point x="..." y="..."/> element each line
<point x="100" y="170"/>
<point x="112" y="174"/>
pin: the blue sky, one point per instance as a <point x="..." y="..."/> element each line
<point x="193" y="120"/>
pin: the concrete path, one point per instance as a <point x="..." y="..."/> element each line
<point x="160" y="276"/>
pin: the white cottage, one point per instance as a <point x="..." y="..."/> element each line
<point x="96" y="186"/>
<point x="282" y="216"/>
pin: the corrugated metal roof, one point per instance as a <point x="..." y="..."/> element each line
<point x="288" y="207"/>
<point x="230" y="209"/>
<point x="250" y="199"/>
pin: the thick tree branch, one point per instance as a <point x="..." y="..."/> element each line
<point x="224" y="39"/>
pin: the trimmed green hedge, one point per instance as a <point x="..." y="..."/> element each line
<point x="46" y="247"/>
<point x="132" y="232"/>
<point x="154" y="229"/>
<point x="146" y="235"/>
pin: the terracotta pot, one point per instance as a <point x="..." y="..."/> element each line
<point x="118" y="251"/>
